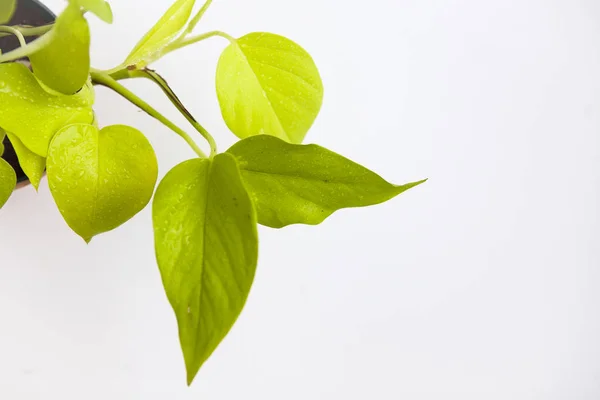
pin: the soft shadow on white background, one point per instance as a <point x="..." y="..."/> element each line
<point x="481" y="284"/>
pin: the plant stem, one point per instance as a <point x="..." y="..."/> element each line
<point x="196" y="18"/>
<point x="28" y="49"/>
<point x="182" y="41"/>
<point x="162" y="83"/>
<point x="13" y="31"/>
<point x="106" y="80"/>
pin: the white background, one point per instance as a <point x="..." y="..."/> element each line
<point x="481" y="284"/>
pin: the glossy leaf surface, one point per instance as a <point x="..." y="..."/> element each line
<point x="206" y="247"/>
<point x="100" y="178"/>
<point x="304" y="184"/>
<point x="32" y="164"/>
<point x="161" y="34"/>
<point x="64" y="63"/>
<point x="8" y="181"/>
<point x="34" y="115"/>
<point x="267" y="84"/>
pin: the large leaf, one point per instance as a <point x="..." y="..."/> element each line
<point x="304" y="184"/>
<point x="32" y="164"/>
<point x="7" y="9"/>
<point x="8" y="181"/>
<point x="64" y="63"/>
<point x="267" y="84"/>
<point x="161" y="34"/>
<point x="99" y="7"/>
<point x="206" y="247"/>
<point x="34" y="115"/>
<point x="100" y="179"/>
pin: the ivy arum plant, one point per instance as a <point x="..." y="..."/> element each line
<point x="205" y="210"/>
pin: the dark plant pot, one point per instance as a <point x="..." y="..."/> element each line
<point x="34" y="13"/>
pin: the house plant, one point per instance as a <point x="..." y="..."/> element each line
<point x="205" y="210"/>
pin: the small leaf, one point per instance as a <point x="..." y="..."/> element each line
<point x="7" y="9"/>
<point x="32" y="164"/>
<point x="8" y="181"/>
<point x="34" y="115"/>
<point x="267" y="84"/>
<point x="64" y="63"/>
<point x="304" y="184"/>
<point x="207" y="248"/>
<point x="161" y="34"/>
<point x="100" y="8"/>
<point x="100" y="179"/>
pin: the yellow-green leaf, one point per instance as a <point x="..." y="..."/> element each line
<point x="161" y="34"/>
<point x="7" y="9"/>
<point x="64" y="63"/>
<point x="34" y="115"/>
<point x="304" y="184"/>
<point x="32" y="164"/>
<point x="100" y="8"/>
<point x="8" y="181"/>
<point x="207" y="247"/>
<point x="2" y="136"/>
<point x="267" y="84"/>
<point x="100" y="178"/>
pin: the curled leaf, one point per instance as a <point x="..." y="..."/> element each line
<point x="64" y="63"/>
<point x="100" y="178"/>
<point x="267" y="84"/>
<point x="32" y="164"/>
<point x="207" y="247"/>
<point x="100" y="8"/>
<point x="304" y="184"/>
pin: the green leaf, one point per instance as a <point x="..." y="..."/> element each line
<point x="304" y="184"/>
<point x="207" y="247"/>
<point x="2" y="136"/>
<point x="267" y="84"/>
<point x="161" y="34"/>
<point x="34" y="115"/>
<point x="32" y="164"/>
<point x="100" y="8"/>
<point x="7" y="9"/>
<point x="8" y="181"/>
<point x="100" y="179"/>
<point x="64" y="63"/>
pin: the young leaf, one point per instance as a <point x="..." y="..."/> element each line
<point x="7" y="9"/>
<point x="100" y="179"/>
<point x="34" y="115"/>
<point x="8" y="181"/>
<point x="32" y="164"/>
<point x="304" y="184"/>
<point x="64" y="64"/>
<point x="161" y="34"/>
<point x="207" y="248"/>
<point x="100" y="8"/>
<point x="267" y="84"/>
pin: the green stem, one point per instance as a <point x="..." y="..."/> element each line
<point x="27" y="50"/>
<point x="13" y="31"/>
<point x="162" y="83"/>
<point x="182" y="42"/>
<point x="29" y="30"/>
<point x="104" y="79"/>
<point x="196" y="19"/>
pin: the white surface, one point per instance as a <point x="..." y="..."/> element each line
<point x="482" y="284"/>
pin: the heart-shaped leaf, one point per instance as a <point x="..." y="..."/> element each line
<point x="7" y="9"/>
<point x="304" y="184"/>
<point x="32" y="164"/>
<point x="206" y="247"/>
<point x="267" y="84"/>
<point x="161" y="34"/>
<point x="8" y="181"/>
<point x="64" y="63"/>
<point x="100" y="178"/>
<point x="34" y="115"/>
<point x="100" y="8"/>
